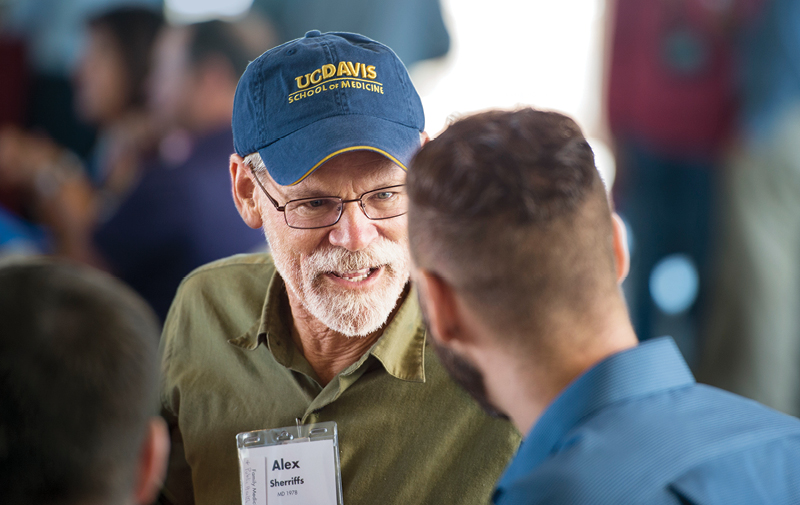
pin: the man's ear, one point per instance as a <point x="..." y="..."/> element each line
<point x="244" y="189"/>
<point x="439" y="305"/>
<point x="152" y="462"/>
<point x="622" y="257"/>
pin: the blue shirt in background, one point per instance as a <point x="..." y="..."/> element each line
<point x="18" y="237"/>
<point x="637" y="428"/>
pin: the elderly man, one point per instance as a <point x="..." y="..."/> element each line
<point x="326" y="327"/>
<point x="78" y="388"/>
<point x="519" y="259"/>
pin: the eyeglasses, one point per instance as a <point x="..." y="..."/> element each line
<point x="324" y="211"/>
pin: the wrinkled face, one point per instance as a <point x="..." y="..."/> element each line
<point x="101" y="87"/>
<point x="348" y="276"/>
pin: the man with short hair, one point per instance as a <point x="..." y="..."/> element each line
<point x="327" y="327"/>
<point x="78" y="388"/>
<point x="518" y="263"/>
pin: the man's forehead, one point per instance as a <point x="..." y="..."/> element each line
<point x="363" y="170"/>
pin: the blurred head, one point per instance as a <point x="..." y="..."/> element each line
<point x="508" y="211"/>
<point x="79" y="377"/>
<point x="111" y="74"/>
<point x="196" y="69"/>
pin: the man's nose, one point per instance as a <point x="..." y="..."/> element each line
<point x="354" y="231"/>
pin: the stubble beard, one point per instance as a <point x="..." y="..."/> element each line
<point x="356" y="312"/>
<point x="466" y="375"/>
<point x="463" y="372"/>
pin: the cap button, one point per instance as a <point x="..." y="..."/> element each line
<point x="313" y="33"/>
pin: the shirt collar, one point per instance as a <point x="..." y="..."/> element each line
<point x="651" y="367"/>
<point x="270" y="321"/>
<point x="401" y="348"/>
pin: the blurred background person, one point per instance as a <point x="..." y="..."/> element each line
<point x="159" y="203"/>
<point x="180" y="215"/>
<point x="671" y="103"/>
<point x="754" y="332"/>
<point x="54" y="186"/>
<point x="78" y="380"/>
<point x="48" y="37"/>
<point x="704" y="106"/>
<point x="41" y="58"/>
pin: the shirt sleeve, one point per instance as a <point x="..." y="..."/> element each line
<point x="178" y="488"/>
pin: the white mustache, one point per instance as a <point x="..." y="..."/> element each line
<point x="339" y="259"/>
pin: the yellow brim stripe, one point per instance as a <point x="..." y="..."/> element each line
<point x="354" y="148"/>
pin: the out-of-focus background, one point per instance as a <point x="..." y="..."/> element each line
<point x="115" y="134"/>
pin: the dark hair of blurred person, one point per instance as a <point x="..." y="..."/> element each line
<point x="111" y="75"/>
<point x="78" y="386"/>
<point x="110" y="92"/>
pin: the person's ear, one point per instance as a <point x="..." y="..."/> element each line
<point x="439" y="305"/>
<point x="622" y="258"/>
<point x="244" y="192"/>
<point x="152" y="462"/>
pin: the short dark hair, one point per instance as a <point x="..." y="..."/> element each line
<point x="134" y="30"/>
<point x="509" y="208"/>
<point x="78" y="383"/>
<point x="222" y="39"/>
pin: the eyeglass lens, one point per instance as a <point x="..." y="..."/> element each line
<point x="381" y="203"/>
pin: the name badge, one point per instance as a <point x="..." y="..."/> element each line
<point x="295" y="465"/>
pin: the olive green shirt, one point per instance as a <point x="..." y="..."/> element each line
<point x="407" y="433"/>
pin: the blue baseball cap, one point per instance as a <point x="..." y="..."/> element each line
<point x="304" y="102"/>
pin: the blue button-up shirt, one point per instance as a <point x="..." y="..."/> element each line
<point x="636" y="428"/>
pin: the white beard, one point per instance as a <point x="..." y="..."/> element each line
<point x="349" y="312"/>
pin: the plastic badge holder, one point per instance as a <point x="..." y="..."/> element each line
<point x="295" y="465"/>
